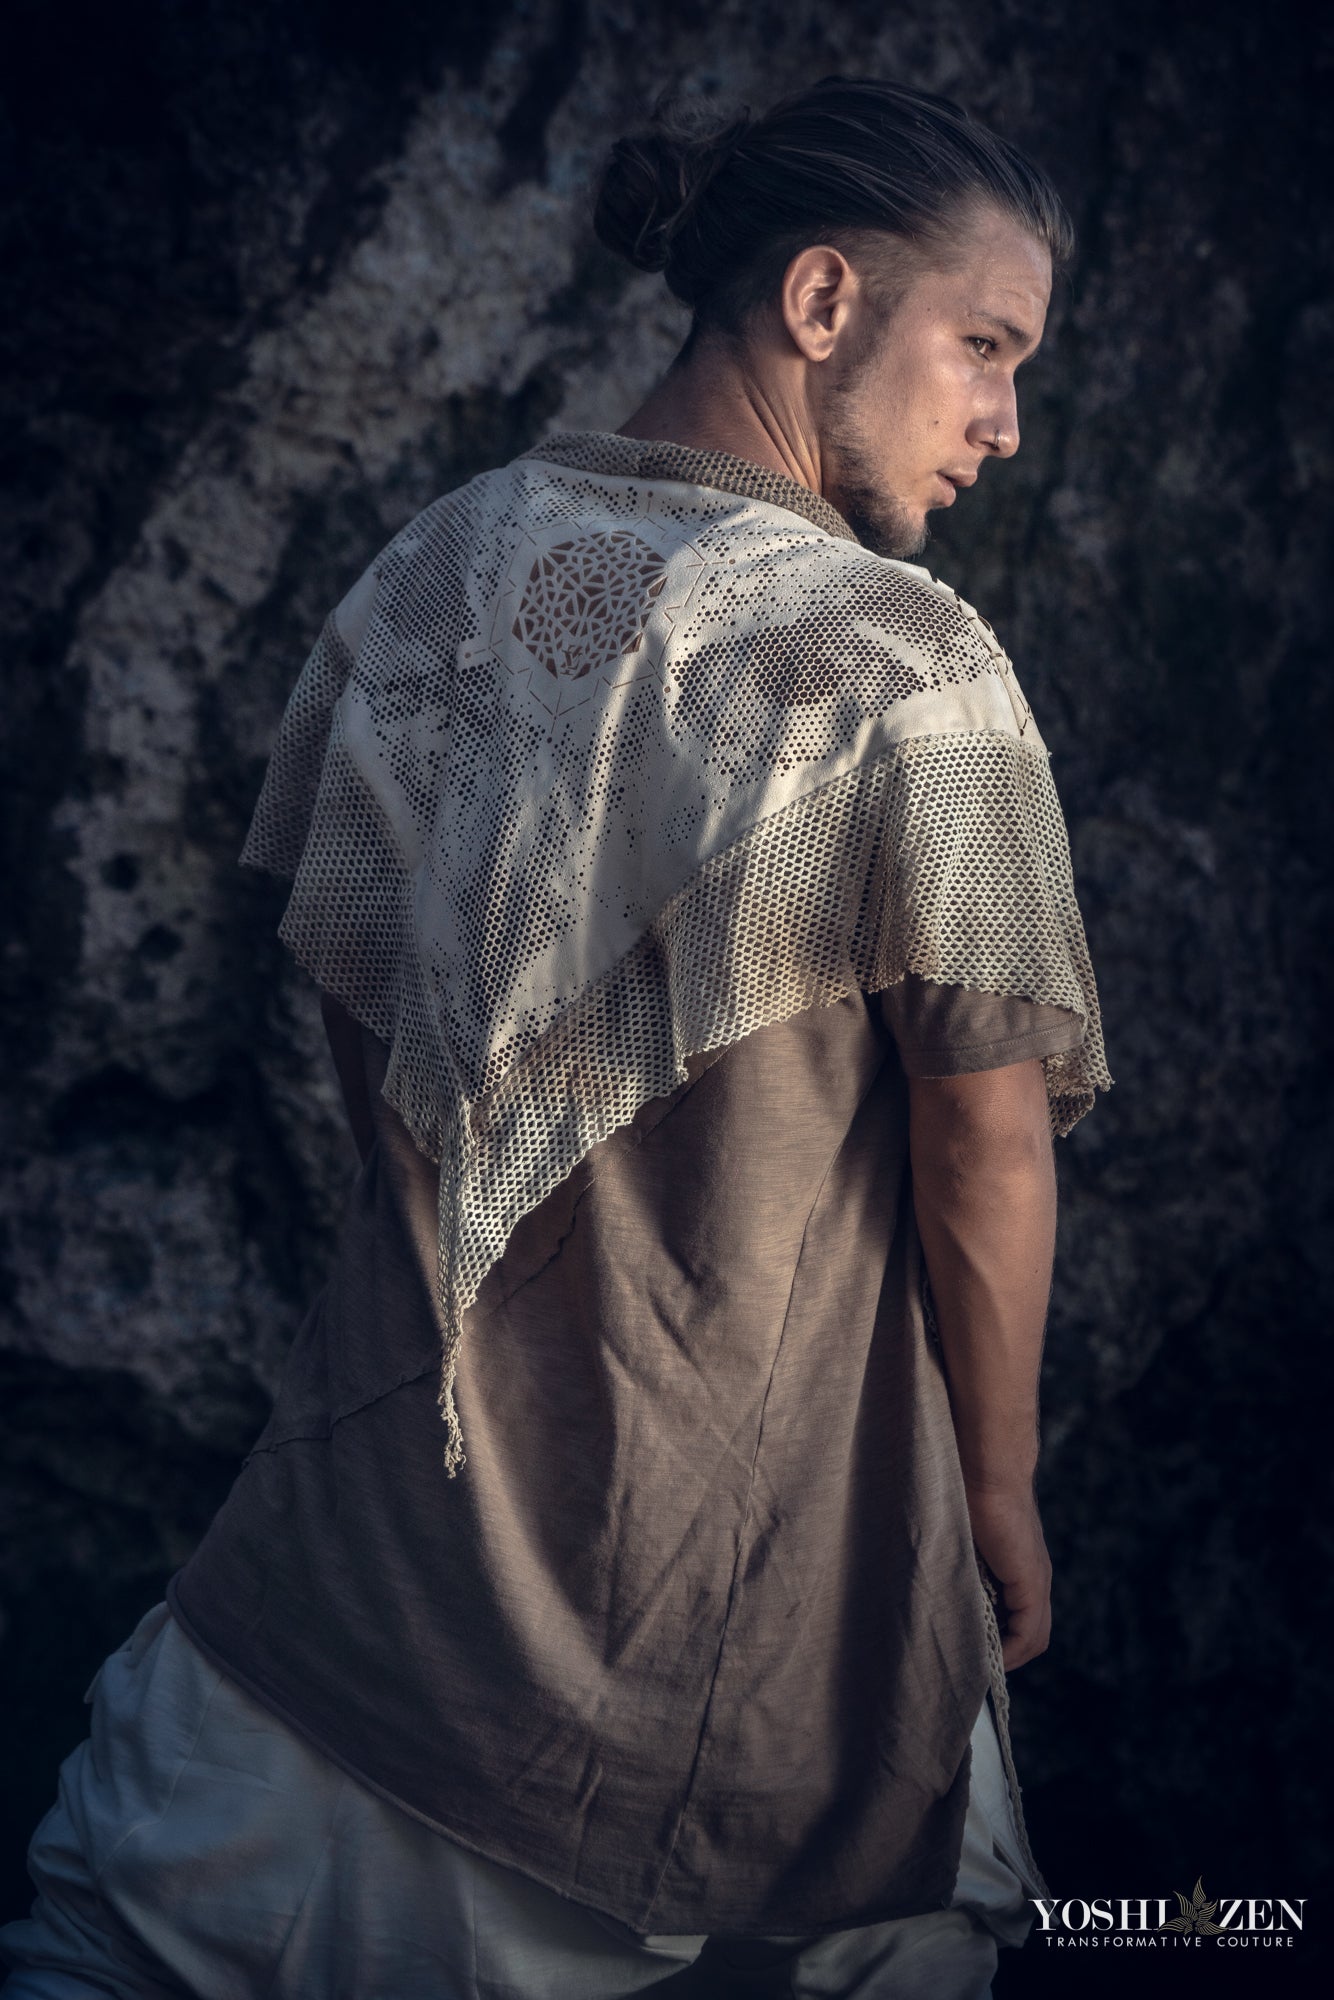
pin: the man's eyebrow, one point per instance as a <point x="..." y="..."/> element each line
<point x="1017" y="334"/>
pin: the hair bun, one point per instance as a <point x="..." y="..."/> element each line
<point x="651" y="184"/>
<point x="644" y="188"/>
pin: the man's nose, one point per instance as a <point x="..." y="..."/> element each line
<point x="1000" y="428"/>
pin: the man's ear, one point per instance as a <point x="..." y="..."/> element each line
<point x="818" y="294"/>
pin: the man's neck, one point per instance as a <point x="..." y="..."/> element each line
<point x="715" y="402"/>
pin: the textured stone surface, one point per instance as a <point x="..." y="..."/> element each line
<point x="283" y="274"/>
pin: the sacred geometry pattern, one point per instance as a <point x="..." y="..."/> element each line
<point x="586" y="602"/>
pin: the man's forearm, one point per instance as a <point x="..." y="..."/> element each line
<point x="984" y="1184"/>
<point x="985" y="1191"/>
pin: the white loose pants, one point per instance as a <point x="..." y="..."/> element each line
<point x="198" y="1847"/>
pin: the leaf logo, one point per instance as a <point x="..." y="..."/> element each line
<point x="1196" y="1915"/>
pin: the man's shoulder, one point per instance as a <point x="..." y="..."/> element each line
<point x="789" y="573"/>
<point x="749" y="560"/>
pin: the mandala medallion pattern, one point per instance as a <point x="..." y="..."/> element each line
<point x="586" y="602"/>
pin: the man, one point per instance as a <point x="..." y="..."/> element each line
<point x="691" y="903"/>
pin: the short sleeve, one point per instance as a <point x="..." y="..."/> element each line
<point x="948" y="1030"/>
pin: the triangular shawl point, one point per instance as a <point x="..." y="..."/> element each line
<point x="738" y="813"/>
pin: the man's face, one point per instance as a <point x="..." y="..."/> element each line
<point x="916" y="403"/>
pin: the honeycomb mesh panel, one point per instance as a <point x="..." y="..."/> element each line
<point x="619" y="769"/>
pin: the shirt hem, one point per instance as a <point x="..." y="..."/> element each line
<point x="736" y="1926"/>
<point x="1056" y="1040"/>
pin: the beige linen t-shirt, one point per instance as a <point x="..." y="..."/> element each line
<point x="695" y="1637"/>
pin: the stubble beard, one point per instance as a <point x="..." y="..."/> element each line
<point x="879" y="519"/>
<point x="880" y="522"/>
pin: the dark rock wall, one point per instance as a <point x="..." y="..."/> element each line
<point x="276" y="275"/>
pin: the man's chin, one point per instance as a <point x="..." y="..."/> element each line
<point x="886" y="526"/>
<point x="916" y="542"/>
<point x="899" y="535"/>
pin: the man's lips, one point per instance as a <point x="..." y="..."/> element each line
<point x="952" y="481"/>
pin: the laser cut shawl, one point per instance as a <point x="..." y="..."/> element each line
<point x="619" y="753"/>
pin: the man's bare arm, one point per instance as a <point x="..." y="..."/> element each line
<point x="345" y="1046"/>
<point x="984" y="1185"/>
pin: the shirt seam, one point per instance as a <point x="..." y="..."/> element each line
<point x="744" y="1522"/>
<point x="1030" y="1036"/>
<point x="340" y="1415"/>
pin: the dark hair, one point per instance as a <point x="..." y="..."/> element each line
<point x="722" y="213"/>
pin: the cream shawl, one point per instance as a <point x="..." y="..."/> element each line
<point x="619" y="753"/>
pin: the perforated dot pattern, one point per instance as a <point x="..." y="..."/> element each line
<point x="624" y="765"/>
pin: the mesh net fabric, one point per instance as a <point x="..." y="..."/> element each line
<point x="621" y="766"/>
<point x="720" y="471"/>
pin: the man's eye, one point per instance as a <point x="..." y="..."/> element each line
<point x="981" y="343"/>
